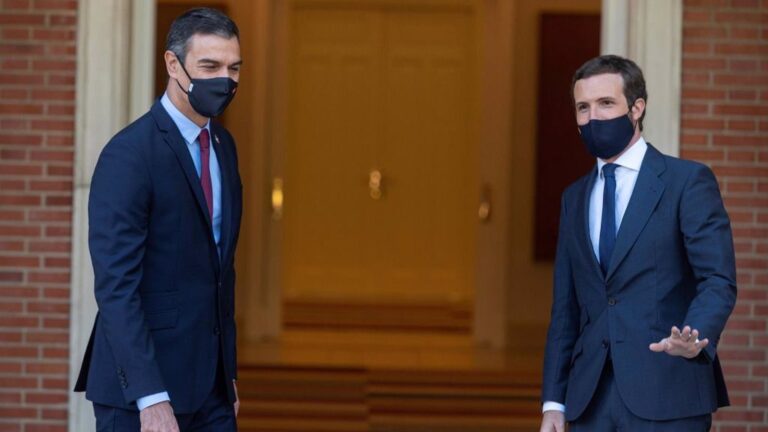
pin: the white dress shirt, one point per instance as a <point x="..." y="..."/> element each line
<point x="190" y="132"/>
<point x="626" y="176"/>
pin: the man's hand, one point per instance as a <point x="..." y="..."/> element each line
<point x="684" y="344"/>
<point x="237" y="399"/>
<point x="553" y="421"/>
<point x="158" y="418"/>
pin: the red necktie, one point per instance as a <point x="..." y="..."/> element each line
<point x="205" y="171"/>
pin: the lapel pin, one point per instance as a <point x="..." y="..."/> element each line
<point x="217" y="139"/>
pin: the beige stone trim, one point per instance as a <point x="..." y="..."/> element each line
<point x="650" y="32"/>
<point x="114" y="83"/>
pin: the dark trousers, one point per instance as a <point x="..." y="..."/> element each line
<point x="216" y="415"/>
<point x="607" y="413"/>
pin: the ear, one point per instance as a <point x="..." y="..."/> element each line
<point x="638" y="108"/>
<point x="172" y="65"/>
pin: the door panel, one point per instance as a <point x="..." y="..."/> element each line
<point x="332" y="113"/>
<point x="385" y="89"/>
<point x="427" y="222"/>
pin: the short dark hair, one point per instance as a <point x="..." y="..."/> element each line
<point x="634" y="83"/>
<point x="202" y="20"/>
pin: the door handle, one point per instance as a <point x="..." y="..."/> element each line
<point x="277" y="198"/>
<point x="484" y="210"/>
<point x="375" y="179"/>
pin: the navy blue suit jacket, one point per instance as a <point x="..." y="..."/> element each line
<point x="673" y="265"/>
<point x="165" y="298"/>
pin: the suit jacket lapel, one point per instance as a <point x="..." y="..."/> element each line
<point x="646" y="195"/>
<point x="586" y="240"/>
<point x="175" y="141"/>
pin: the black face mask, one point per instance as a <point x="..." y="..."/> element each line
<point x="210" y="96"/>
<point x="607" y="138"/>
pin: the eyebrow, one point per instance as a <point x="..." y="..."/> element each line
<point x="216" y="62"/>
<point x="600" y="99"/>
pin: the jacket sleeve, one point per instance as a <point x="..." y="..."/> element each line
<point x="708" y="242"/>
<point x="118" y="211"/>
<point x="564" y="320"/>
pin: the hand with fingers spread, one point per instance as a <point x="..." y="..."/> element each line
<point x="684" y="343"/>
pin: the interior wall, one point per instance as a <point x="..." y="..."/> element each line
<point x="251" y="121"/>
<point x="567" y="39"/>
<point x="254" y="119"/>
<point x="530" y="282"/>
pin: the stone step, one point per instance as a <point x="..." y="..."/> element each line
<point x="322" y="399"/>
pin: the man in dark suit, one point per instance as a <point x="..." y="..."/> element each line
<point x="164" y="212"/>
<point x="644" y="275"/>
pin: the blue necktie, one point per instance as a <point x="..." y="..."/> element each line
<point x="608" y="223"/>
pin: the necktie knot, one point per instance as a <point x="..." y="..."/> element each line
<point x="204" y="139"/>
<point x="609" y="170"/>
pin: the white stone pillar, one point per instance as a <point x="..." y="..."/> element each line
<point x="115" y="45"/>
<point x="650" y="33"/>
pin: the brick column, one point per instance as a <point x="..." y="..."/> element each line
<point x="37" y="121"/>
<point x="725" y="124"/>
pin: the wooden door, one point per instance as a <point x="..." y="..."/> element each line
<point x="380" y="167"/>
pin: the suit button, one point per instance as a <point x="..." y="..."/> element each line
<point x="606" y="344"/>
<point x="611" y="301"/>
<point x="216" y="330"/>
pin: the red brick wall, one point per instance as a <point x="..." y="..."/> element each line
<point x="725" y="124"/>
<point x="37" y="120"/>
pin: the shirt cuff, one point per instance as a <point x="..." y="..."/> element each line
<point x="147" y="401"/>
<point x="552" y="406"/>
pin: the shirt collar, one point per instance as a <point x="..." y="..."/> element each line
<point x="631" y="159"/>
<point x="189" y="130"/>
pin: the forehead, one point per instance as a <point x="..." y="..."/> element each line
<point x="598" y="86"/>
<point x="214" y="47"/>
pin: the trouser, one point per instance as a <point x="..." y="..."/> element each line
<point x="607" y="412"/>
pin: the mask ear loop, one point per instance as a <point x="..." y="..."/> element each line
<point x="191" y="85"/>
